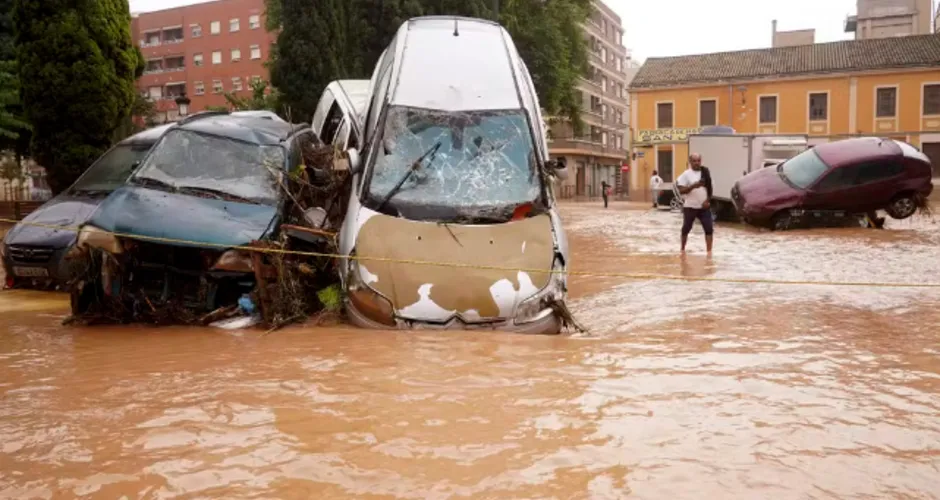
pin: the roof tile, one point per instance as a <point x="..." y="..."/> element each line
<point x="820" y="58"/>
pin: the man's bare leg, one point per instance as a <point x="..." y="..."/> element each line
<point x="708" y="242"/>
<point x="685" y="238"/>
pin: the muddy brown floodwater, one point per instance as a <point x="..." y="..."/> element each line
<point x="682" y="390"/>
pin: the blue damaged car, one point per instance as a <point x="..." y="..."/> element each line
<point x="169" y="235"/>
<point x="33" y="251"/>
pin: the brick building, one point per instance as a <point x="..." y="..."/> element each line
<point x="201" y="50"/>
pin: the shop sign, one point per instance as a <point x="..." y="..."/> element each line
<point x="664" y="135"/>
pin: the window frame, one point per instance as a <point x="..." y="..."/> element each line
<point x="199" y="88"/>
<point x="923" y="99"/>
<point x="237" y="84"/>
<point x="217" y="89"/>
<point x="195" y="30"/>
<point x="809" y="105"/>
<point x="234" y="25"/>
<point x="235" y="57"/>
<point x="251" y="52"/>
<point x="215" y="27"/>
<point x="760" y="109"/>
<point x="214" y="61"/>
<point x="714" y="101"/>
<point x="672" y="114"/>
<point x="894" y="104"/>
<point x="198" y="59"/>
<point x="254" y="21"/>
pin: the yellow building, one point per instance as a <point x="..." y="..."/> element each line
<point x="888" y="87"/>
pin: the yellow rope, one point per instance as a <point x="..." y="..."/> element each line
<point x="458" y="265"/>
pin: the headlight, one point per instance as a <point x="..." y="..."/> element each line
<point x="538" y="306"/>
<point x="235" y="261"/>
<point x="367" y="301"/>
<point x="99" y="238"/>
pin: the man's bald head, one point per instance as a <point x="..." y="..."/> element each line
<point x="695" y="161"/>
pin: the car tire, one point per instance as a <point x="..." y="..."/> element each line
<point x="902" y="206"/>
<point x="781" y="221"/>
<point x="675" y="203"/>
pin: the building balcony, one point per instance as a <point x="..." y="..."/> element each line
<point x="153" y="43"/>
<point x="157" y="71"/>
<point x="591" y="86"/>
<point x="616" y="45"/>
<point x="586" y="147"/>
<point x="173" y="41"/>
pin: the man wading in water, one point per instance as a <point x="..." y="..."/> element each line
<point x="695" y="184"/>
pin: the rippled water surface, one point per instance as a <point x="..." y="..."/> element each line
<point x="680" y="389"/>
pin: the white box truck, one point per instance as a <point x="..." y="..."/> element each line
<point x="732" y="156"/>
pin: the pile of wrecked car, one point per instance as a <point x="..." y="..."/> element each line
<point x="415" y="202"/>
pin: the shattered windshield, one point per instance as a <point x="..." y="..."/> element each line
<point x="803" y="169"/>
<point x="112" y="169"/>
<point x="458" y="160"/>
<point x="185" y="159"/>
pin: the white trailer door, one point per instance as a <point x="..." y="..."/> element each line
<point x="726" y="156"/>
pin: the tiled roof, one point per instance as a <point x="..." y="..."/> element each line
<point x="834" y="57"/>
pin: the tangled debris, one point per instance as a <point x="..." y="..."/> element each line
<point x="281" y="280"/>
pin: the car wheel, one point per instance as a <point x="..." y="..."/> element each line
<point x="781" y="221"/>
<point x="902" y="206"/>
<point x="675" y="203"/>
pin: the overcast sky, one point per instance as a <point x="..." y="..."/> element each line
<point x="679" y="27"/>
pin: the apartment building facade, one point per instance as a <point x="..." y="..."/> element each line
<point x="888" y="87"/>
<point x="599" y="152"/>
<point x="202" y="51"/>
<point x="888" y="18"/>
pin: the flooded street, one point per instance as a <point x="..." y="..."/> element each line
<point x="681" y="390"/>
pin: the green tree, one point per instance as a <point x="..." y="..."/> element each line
<point x="348" y="36"/>
<point x="318" y="42"/>
<point x="261" y="98"/>
<point x="12" y="125"/>
<point x="77" y="66"/>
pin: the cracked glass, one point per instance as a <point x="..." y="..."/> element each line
<point x="185" y="159"/>
<point x="475" y="159"/>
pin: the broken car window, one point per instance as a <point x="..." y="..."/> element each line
<point x="185" y="159"/>
<point x="485" y="159"/>
<point x="112" y="169"/>
<point x="803" y="169"/>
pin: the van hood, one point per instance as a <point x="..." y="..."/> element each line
<point x="472" y="292"/>
<point x="66" y="211"/>
<point x="134" y="210"/>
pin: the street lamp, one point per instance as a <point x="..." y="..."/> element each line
<point x="182" y="103"/>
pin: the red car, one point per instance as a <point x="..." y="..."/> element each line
<point x="848" y="177"/>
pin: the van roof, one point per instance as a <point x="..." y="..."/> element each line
<point x="358" y="92"/>
<point x="149" y="136"/>
<point x="472" y="70"/>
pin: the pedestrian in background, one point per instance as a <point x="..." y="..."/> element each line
<point x="655" y="182"/>
<point x="605" y="192"/>
<point x="695" y="184"/>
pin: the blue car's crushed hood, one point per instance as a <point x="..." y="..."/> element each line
<point x="67" y="211"/>
<point x="139" y="211"/>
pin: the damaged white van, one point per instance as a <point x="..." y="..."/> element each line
<point x="452" y="223"/>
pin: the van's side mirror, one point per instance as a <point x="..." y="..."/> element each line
<point x="348" y="160"/>
<point x="558" y="168"/>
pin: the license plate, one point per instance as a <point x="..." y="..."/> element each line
<point x="31" y="272"/>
